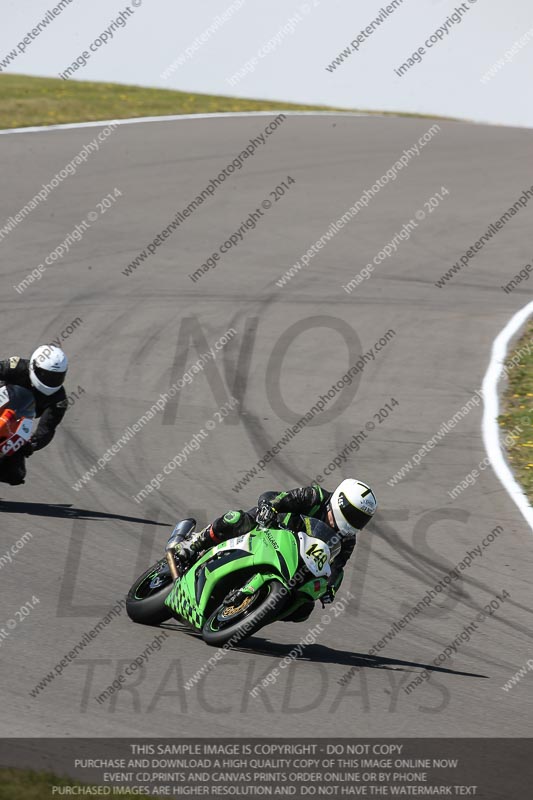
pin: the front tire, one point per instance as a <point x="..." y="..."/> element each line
<point x="222" y="627"/>
<point x="145" y="602"/>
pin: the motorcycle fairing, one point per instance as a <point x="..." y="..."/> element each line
<point x="272" y="553"/>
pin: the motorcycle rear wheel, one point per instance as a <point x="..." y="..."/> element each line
<point x="230" y="625"/>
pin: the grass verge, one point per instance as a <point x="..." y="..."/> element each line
<point x="23" y="784"/>
<point x="26" y="101"/>
<point x="517" y="409"/>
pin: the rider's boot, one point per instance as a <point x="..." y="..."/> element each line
<point x="302" y="612"/>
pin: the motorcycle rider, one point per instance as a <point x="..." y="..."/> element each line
<point x="43" y="374"/>
<point x="346" y="511"/>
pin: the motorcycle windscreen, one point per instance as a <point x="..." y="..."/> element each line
<point x="315" y="552"/>
<point x="318" y="529"/>
<point x="19" y="399"/>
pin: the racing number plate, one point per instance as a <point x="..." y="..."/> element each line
<point x="316" y="555"/>
<point x="18" y="439"/>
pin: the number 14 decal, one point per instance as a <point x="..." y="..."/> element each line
<point x="318" y="555"/>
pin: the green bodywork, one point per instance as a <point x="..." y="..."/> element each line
<point x="246" y="563"/>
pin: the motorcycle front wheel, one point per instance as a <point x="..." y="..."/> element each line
<point x="232" y="622"/>
<point x="145" y="602"/>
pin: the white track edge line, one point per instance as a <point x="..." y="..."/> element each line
<point x="173" y="117"/>
<point x="490" y="428"/>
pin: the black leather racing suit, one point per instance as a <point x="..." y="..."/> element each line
<point x="50" y="409"/>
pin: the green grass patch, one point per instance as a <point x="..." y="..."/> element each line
<point x="24" y="784"/>
<point x="26" y="101"/>
<point x="517" y="409"/>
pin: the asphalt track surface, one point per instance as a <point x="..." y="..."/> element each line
<point x="88" y="545"/>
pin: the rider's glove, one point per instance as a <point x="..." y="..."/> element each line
<point x="28" y="449"/>
<point x="329" y="596"/>
<point x="266" y="514"/>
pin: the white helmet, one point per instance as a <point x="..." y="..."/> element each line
<point x="353" y="504"/>
<point x="48" y="367"/>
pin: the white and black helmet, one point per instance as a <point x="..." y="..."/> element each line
<point x="48" y="367"/>
<point x="353" y="504"/>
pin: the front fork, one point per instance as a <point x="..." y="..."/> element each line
<point x="169" y="554"/>
<point x="172" y="565"/>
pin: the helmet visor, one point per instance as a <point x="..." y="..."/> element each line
<point x="354" y="516"/>
<point x="48" y="377"/>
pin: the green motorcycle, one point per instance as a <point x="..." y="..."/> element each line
<point x="240" y="585"/>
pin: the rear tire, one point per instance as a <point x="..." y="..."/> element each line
<point x="146" y="604"/>
<point x="267" y="602"/>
